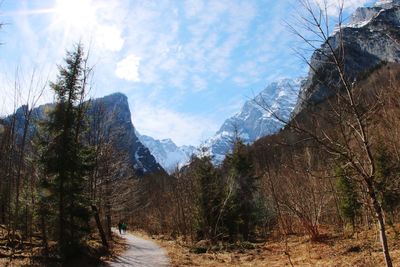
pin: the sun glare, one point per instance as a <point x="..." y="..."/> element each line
<point x="75" y="13"/>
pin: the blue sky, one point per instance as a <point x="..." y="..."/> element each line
<point x="185" y="66"/>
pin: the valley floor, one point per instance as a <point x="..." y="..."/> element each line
<point x="363" y="249"/>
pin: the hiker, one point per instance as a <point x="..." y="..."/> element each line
<point x="123" y="226"/>
<point x="120" y="228"/>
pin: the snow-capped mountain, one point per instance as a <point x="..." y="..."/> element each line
<point x="370" y="38"/>
<point x="363" y="15"/>
<point x="261" y="116"/>
<point x="387" y="3"/>
<point x="167" y="153"/>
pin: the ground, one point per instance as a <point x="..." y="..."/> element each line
<point x="363" y="250"/>
<point x="30" y="253"/>
<point x="140" y="252"/>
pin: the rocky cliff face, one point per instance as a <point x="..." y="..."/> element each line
<point x="387" y="3"/>
<point x="371" y="38"/>
<point x="123" y="135"/>
<point x="117" y="121"/>
<point x="258" y="117"/>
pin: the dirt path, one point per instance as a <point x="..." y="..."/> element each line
<point x="140" y="253"/>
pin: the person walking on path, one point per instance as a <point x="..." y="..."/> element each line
<point x="123" y="226"/>
<point x="140" y="253"/>
<point x="120" y="228"/>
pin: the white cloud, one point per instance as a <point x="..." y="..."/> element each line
<point x="333" y="6"/>
<point x="98" y="23"/>
<point x="174" y="49"/>
<point x="176" y="52"/>
<point x="128" y="68"/>
<point x="162" y="123"/>
<point x="109" y="38"/>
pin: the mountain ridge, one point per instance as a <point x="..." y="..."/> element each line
<point x="258" y="117"/>
<point x="167" y="153"/>
<point x="371" y="38"/>
<point x="117" y="126"/>
<point x="119" y="119"/>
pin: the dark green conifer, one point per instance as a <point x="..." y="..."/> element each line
<point x="210" y="197"/>
<point x="243" y="213"/>
<point x="65" y="159"/>
<point x="387" y="171"/>
<point x="349" y="205"/>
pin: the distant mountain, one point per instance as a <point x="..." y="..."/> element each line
<point x="117" y="117"/>
<point x="371" y="38"/>
<point x="167" y="153"/>
<point x="387" y="3"/>
<point x="123" y="134"/>
<point x="257" y="118"/>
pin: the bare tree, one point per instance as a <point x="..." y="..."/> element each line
<point x="344" y="130"/>
<point x="33" y="94"/>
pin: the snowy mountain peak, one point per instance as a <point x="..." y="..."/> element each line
<point x="387" y="3"/>
<point x="257" y="118"/>
<point x="167" y="153"/>
<point x="363" y="15"/>
<point x="168" y="142"/>
<point x="366" y="44"/>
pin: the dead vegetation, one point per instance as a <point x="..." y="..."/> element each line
<point x="31" y="252"/>
<point x="298" y="178"/>
<point x="361" y="250"/>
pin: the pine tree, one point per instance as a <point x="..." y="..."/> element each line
<point x="66" y="160"/>
<point x="210" y="197"/>
<point x="243" y="211"/>
<point x="349" y="205"/>
<point x="387" y="182"/>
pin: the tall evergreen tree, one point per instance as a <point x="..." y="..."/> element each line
<point x="349" y="205"/>
<point x="210" y="197"/>
<point x="244" y="201"/>
<point x="387" y="181"/>
<point x="65" y="159"/>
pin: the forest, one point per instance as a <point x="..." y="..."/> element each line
<point x="318" y="176"/>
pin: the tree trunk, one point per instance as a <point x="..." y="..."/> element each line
<point x="109" y="233"/>
<point x="61" y="215"/>
<point x="108" y="207"/>
<point x="21" y="166"/>
<point x="44" y="234"/>
<point x="381" y="223"/>
<point x="100" y="227"/>
<point x="384" y="241"/>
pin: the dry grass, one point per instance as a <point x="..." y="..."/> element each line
<point x="31" y="254"/>
<point x="26" y="253"/>
<point x="117" y="247"/>
<point x="362" y="250"/>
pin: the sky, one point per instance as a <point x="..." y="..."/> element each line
<point x="185" y="65"/>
